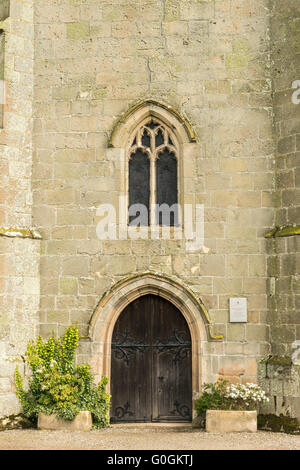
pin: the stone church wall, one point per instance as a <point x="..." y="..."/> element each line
<point x="280" y="373"/>
<point x="19" y="245"/>
<point x="284" y="262"/>
<point x="73" y="69"/>
<point x="210" y="61"/>
<point x="19" y="288"/>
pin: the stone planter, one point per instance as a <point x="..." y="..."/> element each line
<point x="231" y="421"/>
<point x="82" y="422"/>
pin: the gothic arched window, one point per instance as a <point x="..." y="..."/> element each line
<point x="153" y="175"/>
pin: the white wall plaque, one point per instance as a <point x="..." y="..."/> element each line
<point x="238" y="310"/>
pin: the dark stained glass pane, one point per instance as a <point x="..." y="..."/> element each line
<point x="166" y="187"/>
<point x="146" y="139"/>
<point x="159" y="139"/>
<point x="152" y="125"/>
<point x="139" y="185"/>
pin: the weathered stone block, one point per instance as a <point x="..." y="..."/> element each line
<point x="231" y="421"/>
<point x="78" y="30"/>
<point x="4" y="9"/>
<point x="68" y="286"/>
<point x="82" y="422"/>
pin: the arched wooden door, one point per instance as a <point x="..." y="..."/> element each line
<point x="151" y="363"/>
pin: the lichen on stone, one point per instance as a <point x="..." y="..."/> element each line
<point x="13" y="232"/>
<point x="286" y="231"/>
<point x="277" y="360"/>
<point x="280" y="360"/>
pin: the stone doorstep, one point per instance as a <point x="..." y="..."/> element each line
<point x="82" y="422"/>
<point x="153" y="427"/>
<point x="222" y="421"/>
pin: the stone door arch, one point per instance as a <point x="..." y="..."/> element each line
<point x="126" y="291"/>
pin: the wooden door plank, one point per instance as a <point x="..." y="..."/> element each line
<point x="151" y="376"/>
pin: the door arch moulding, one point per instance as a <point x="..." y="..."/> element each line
<point x="126" y="291"/>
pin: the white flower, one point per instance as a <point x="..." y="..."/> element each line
<point x="248" y="392"/>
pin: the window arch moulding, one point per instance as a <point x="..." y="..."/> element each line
<point x="137" y="113"/>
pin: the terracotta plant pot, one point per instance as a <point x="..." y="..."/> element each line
<point x="231" y="421"/>
<point x="82" y="422"/>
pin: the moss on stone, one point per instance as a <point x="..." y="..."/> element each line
<point x="172" y="10"/>
<point x="99" y="93"/>
<point x="272" y="233"/>
<point x="280" y="360"/>
<point x="236" y="61"/>
<point x="277" y="360"/>
<point x="241" y="46"/>
<point x="78" y="30"/>
<point x="68" y="286"/>
<point x="264" y="359"/>
<point x="287" y="231"/>
<point x="274" y="423"/>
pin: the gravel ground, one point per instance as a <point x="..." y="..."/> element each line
<point x="145" y="437"/>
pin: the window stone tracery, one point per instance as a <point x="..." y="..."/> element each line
<point x="153" y="172"/>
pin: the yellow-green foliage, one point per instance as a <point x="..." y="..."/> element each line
<point x="58" y="386"/>
<point x="62" y="351"/>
